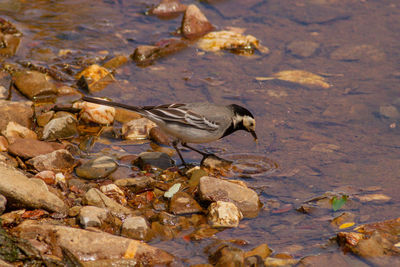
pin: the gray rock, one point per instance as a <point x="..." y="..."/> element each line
<point x="224" y="214"/>
<point x="28" y="148"/>
<point x="91" y="216"/>
<point x="183" y="203"/>
<point x="156" y="159"/>
<point x="213" y="189"/>
<point x="364" y="52"/>
<point x="57" y="161"/>
<point x="389" y="111"/>
<point x="3" y="203"/>
<point x="60" y="128"/>
<point x="136" y="184"/>
<point x="96" y="198"/>
<point x="135" y="227"/>
<point x="15" y="131"/>
<point x="302" y="49"/>
<point x="19" y="112"/>
<point x="33" y="84"/>
<point x="97" y="168"/>
<point x="21" y="191"/>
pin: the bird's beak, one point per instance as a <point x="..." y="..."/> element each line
<point x="253" y="133"/>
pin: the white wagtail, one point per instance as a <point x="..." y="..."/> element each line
<point x="193" y="122"/>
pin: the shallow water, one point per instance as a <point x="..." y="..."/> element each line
<point x="291" y="119"/>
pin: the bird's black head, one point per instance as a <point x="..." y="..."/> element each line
<point x="242" y="120"/>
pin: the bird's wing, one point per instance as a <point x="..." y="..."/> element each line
<point x="178" y="113"/>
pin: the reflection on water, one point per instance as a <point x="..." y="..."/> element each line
<point x="321" y="138"/>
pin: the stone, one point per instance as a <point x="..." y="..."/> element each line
<point x="43" y="118"/>
<point x="364" y="53"/>
<point x="96" y="77"/>
<point x="95" y="197"/>
<point x="158" y="136"/>
<point x="91" y="112"/>
<point x="21" y="191"/>
<point x="389" y="111"/>
<point x="262" y="250"/>
<point x="224" y="214"/>
<point x="58" y="161"/>
<point x="14" y="131"/>
<point x="3" y="144"/>
<point x="302" y="49"/>
<point x="33" y="84"/>
<point x="155" y="159"/>
<point x="123" y="115"/>
<point x="136" y="184"/>
<point x="183" y="203"/>
<point x="60" y="128"/>
<point x="228" y="256"/>
<point x="168" y="8"/>
<point x="194" y="23"/>
<point x="332" y="259"/>
<point x="90" y="244"/>
<point x="3" y="204"/>
<point x="91" y="216"/>
<point x="137" y="129"/>
<point x="28" y="148"/>
<point x="135" y="227"/>
<point x="114" y="192"/>
<point x="18" y="112"/>
<point x="213" y="189"/>
<point x="97" y="168"/>
<point x="49" y="177"/>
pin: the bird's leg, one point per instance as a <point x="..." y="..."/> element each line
<point x="196" y="150"/>
<point x="175" y="145"/>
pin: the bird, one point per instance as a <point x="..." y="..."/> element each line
<point x="200" y="122"/>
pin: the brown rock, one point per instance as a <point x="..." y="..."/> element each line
<point x="57" y="161"/>
<point x="3" y="144"/>
<point x="158" y="136"/>
<point x="168" y="8"/>
<point x="15" y="131"/>
<point x="183" y="203"/>
<point x="91" y="245"/>
<point x="33" y="84"/>
<point x="194" y="23"/>
<point x="19" y="112"/>
<point x="28" y="148"/>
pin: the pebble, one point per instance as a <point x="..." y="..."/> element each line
<point x="18" y="112"/>
<point x="14" y="131"/>
<point x="155" y="159"/>
<point x="364" y="52"/>
<point x="33" y="84"/>
<point x="114" y="192"/>
<point x="136" y="184"/>
<point x="137" y="129"/>
<point x="95" y="197"/>
<point x="224" y="214"/>
<point x="3" y="143"/>
<point x="91" y="216"/>
<point x="57" y="161"/>
<point x="302" y="49"/>
<point x="135" y="227"/>
<point x="183" y="203"/>
<point x="95" y="113"/>
<point x="389" y="111"/>
<point x="60" y="128"/>
<point x="246" y="199"/>
<point x="194" y="23"/>
<point x="28" y="148"/>
<point x="168" y="8"/>
<point x="97" y="168"/>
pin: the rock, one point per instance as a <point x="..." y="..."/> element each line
<point x="123" y="115"/>
<point x="262" y="250"/>
<point x="158" y="136"/>
<point x="57" y="161"/>
<point x="116" y="62"/>
<point x="43" y="118"/>
<point x="90" y="245"/>
<point x="135" y="227"/>
<point x="364" y="52"/>
<point x="3" y="203"/>
<point x="331" y="259"/>
<point x="326" y="148"/>
<point x="214" y="162"/>
<point x="168" y="8"/>
<point x="22" y="191"/>
<point x="49" y="177"/>
<point x="34" y="84"/>
<point x="183" y="203"/>
<point x="95" y="113"/>
<point x="96" y="77"/>
<point x="3" y="263"/>
<point x="213" y="189"/>
<point x="389" y="111"/>
<point x="96" y="198"/>
<point x="227" y="256"/>
<point x="14" y="131"/>
<point x="114" y="192"/>
<point x="194" y="23"/>
<point x="155" y="159"/>
<point x="136" y="184"/>
<point x="5" y="84"/>
<point x="137" y="129"/>
<point x="28" y="148"/>
<point x="10" y="36"/>
<point x="145" y="54"/>
<point x="224" y="214"/>
<point x="60" y="128"/>
<point x="3" y="144"/>
<point x="18" y="112"/>
<point x="90" y="216"/>
<point x="97" y="168"/>
<point x="302" y="49"/>
<point x="270" y="261"/>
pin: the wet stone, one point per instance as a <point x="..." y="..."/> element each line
<point x="21" y="191"/>
<point x="19" y="112"/>
<point x="168" y="8"/>
<point x="34" y="84"/>
<point x="5" y="83"/>
<point x="158" y="136"/>
<point x="3" y="203"/>
<point x="43" y="118"/>
<point x="137" y="129"/>
<point x="96" y="198"/>
<point x="302" y="49"/>
<point x="135" y="227"/>
<point x="28" y="148"/>
<point x="114" y="192"/>
<point x="224" y="214"/>
<point x="364" y="52"/>
<point x="57" y="161"/>
<point x="3" y="144"/>
<point x="136" y="184"/>
<point x="194" y="23"/>
<point x="227" y="256"/>
<point x="10" y="37"/>
<point x="183" y="203"/>
<point x="389" y="111"/>
<point x="15" y="131"/>
<point x="155" y="159"/>
<point x="213" y="189"/>
<point x="95" y="113"/>
<point x="97" y="168"/>
<point x="90" y="216"/>
<point x="60" y="128"/>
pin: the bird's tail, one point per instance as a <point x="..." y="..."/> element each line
<point x="111" y="104"/>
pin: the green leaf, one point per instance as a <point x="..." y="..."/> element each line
<point x="337" y="203"/>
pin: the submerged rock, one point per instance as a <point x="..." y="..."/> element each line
<point x="135" y="227"/>
<point x="302" y="49"/>
<point x="183" y="203"/>
<point x="224" y="214"/>
<point x="57" y="161"/>
<point x="34" y="84"/>
<point x="10" y="37"/>
<point x="155" y="159"/>
<point x="97" y="168"/>
<point x="214" y="189"/>
<point x="60" y="128"/>
<point x="21" y="191"/>
<point x="90" y="216"/>
<point x="168" y="8"/>
<point x="29" y="148"/>
<point x="364" y="52"/>
<point x="96" y="77"/>
<point x="96" y="198"/>
<point x="194" y="23"/>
